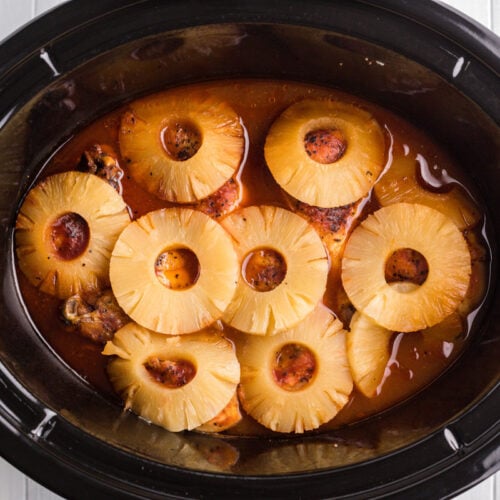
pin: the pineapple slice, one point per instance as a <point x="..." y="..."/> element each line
<point x="181" y="148"/>
<point x="400" y="184"/>
<point x="369" y="344"/>
<point x="178" y="299"/>
<point x="65" y="231"/>
<point x="177" y="382"/>
<point x="345" y="172"/>
<point x="278" y="298"/>
<point x="299" y="379"/>
<point x="368" y="352"/>
<point x="401" y="226"/>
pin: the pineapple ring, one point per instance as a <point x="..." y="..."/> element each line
<point x="87" y="198"/>
<point x="405" y="225"/>
<point x="325" y="184"/>
<point x="144" y="145"/>
<point x="185" y="407"/>
<point x="142" y="295"/>
<point x="315" y="403"/>
<point x="288" y="234"/>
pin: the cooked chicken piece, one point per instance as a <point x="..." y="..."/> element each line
<point x="406" y="264"/>
<point x="101" y="161"/>
<point x="223" y="201"/>
<point x="171" y="373"/>
<point x="265" y="269"/>
<point x="332" y="224"/>
<point x="227" y="418"/>
<point x="325" y="145"/>
<point x="294" y="367"/>
<point x="96" y="317"/>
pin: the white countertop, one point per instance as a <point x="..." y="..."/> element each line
<point x="14" y="13"/>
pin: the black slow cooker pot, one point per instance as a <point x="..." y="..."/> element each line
<point x="420" y="59"/>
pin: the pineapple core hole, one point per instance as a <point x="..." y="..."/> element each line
<point x="69" y="235"/>
<point x="406" y="265"/>
<point x="294" y="367"/>
<point x="264" y="269"/>
<point x="325" y="145"/>
<point x="181" y="140"/>
<point x="177" y="268"/>
<point x="171" y="373"/>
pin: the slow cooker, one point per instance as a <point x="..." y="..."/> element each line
<point x="420" y="59"/>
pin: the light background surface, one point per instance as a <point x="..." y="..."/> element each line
<point x="13" y="14"/>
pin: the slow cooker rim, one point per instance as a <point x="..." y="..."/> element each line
<point x="430" y="13"/>
<point x="43" y="459"/>
<point x="436" y="18"/>
<point x="38" y="27"/>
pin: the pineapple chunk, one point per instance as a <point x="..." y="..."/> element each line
<point x="181" y="149"/>
<point x="187" y="404"/>
<point x="368" y="352"/>
<point x="400" y="184"/>
<point x="145" y="297"/>
<point x="65" y="231"/>
<point x="420" y="228"/>
<point x="271" y="402"/>
<point x="356" y="165"/>
<point x="287" y="234"/>
<point x="369" y="344"/>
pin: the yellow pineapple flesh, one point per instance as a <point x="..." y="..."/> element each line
<point x="368" y="352"/>
<point x="298" y="293"/>
<point x="355" y="166"/>
<point x="369" y="344"/>
<point x="181" y="148"/>
<point x="51" y="249"/>
<point x="149" y="372"/>
<point x="419" y="228"/>
<point x="273" y="401"/>
<point x="174" y="309"/>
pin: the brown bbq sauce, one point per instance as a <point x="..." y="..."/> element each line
<point x="415" y="360"/>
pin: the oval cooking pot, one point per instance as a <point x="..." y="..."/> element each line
<point x="421" y="59"/>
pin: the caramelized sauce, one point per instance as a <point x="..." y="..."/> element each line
<point x="416" y="359"/>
